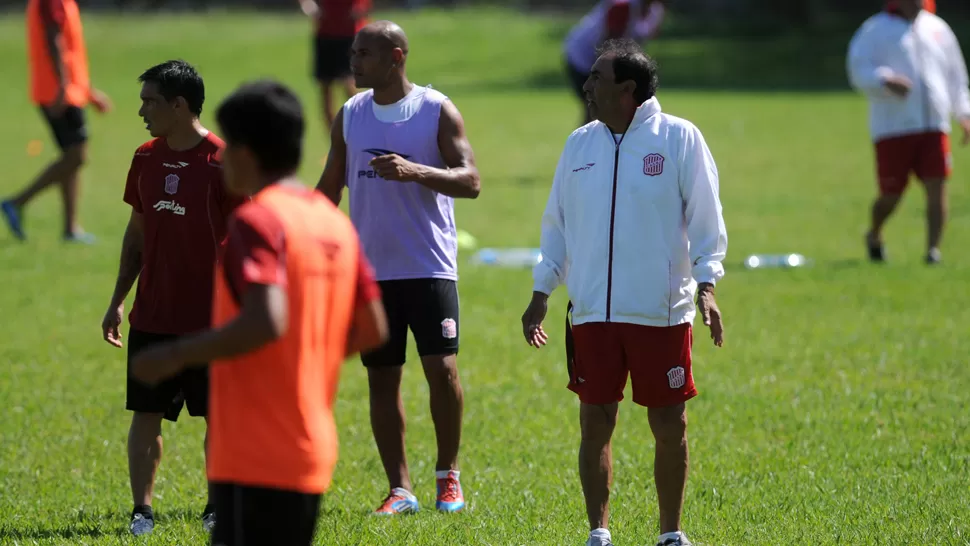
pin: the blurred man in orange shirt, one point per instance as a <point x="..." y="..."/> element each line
<point x="294" y="297"/>
<point x="61" y="87"/>
<point x="337" y="22"/>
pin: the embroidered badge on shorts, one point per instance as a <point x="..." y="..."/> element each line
<point x="676" y="377"/>
<point x="449" y="328"/>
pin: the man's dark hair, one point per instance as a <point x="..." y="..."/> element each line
<point x="631" y="63"/>
<point x="266" y="117"/>
<point x="177" y="79"/>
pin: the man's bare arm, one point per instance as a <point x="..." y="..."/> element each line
<point x="369" y="329"/>
<point x="131" y="258"/>
<point x="460" y="178"/>
<point x="262" y="319"/>
<point x="334" y="174"/>
<point x="52" y="32"/>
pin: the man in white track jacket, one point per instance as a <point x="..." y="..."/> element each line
<point x="633" y="227"/>
<point x="908" y="63"/>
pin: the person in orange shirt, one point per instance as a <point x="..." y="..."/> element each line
<point x="294" y="297"/>
<point x="61" y="87"/>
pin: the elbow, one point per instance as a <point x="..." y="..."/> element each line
<point x="375" y="332"/>
<point x="381" y="332"/>
<point x="474" y="187"/>
<point x="370" y="341"/>
<point x="376" y="338"/>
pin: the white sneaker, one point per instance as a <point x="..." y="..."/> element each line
<point x="599" y="540"/>
<point x="679" y="540"/>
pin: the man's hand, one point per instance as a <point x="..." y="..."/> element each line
<point x="532" y="319"/>
<point x="965" y="124"/>
<point x="101" y="101"/>
<point x="156" y="364"/>
<point x="59" y="104"/>
<point x="396" y="168"/>
<point x="898" y="85"/>
<point x="710" y="313"/>
<point x="111" y="324"/>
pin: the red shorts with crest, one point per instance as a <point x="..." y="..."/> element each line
<point x="656" y="359"/>
<point x="927" y="155"/>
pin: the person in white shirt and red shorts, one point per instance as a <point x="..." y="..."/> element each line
<point x="633" y="227"/>
<point x="908" y="62"/>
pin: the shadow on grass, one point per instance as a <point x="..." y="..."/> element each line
<point x="89" y="525"/>
<point x="64" y="532"/>
<point x="782" y="64"/>
<point x="794" y="62"/>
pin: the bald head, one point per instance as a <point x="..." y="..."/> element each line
<point x="387" y="35"/>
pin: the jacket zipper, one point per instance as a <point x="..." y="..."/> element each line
<point x="609" y="267"/>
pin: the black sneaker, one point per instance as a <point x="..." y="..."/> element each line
<point x="209" y="518"/>
<point x="141" y="523"/>
<point x="876" y="253"/>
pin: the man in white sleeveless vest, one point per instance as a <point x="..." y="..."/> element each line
<point x="402" y="152"/>
<point x="633" y="228"/>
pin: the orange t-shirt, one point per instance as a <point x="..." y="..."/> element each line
<point x="64" y="16"/>
<point x="271" y="411"/>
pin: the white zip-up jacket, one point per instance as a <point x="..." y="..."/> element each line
<point x="927" y="52"/>
<point x="632" y="227"/>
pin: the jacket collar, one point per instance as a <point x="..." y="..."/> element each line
<point x="646" y="111"/>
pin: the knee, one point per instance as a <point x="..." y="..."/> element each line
<point x="441" y="370"/>
<point x="669" y="426"/>
<point x="888" y="200"/>
<point x="146" y="423"/>
<point x="75" y="156"/>
<point x="597" y="421"/>
<point x="384" y="379"/>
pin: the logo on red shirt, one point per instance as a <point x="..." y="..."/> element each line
<point x="170" y="205"/>
<point x="171" y="184"/>
<point x="653" y="164"/>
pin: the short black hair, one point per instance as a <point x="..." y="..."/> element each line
<point x="177" y="79"/>
<point x="631" y="63"/>
<point x="266" y="117"/>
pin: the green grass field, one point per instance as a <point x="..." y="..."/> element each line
<point x="838" y="411"/>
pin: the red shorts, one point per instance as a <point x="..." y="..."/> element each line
<point x="927" y="155"/>
<point x="657" y="360"/>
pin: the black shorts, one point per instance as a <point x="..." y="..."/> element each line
<point x="331" y="57"/>
<point x="429" y="307"/>
<point x="69" y="128"/>
<point x="577" y="79"/>
<point x="189" y="388"/>
<point x="259" y="516"/>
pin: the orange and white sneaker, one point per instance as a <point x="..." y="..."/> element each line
<point x="450" y="496"/>
<point x="398" y="501"/>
